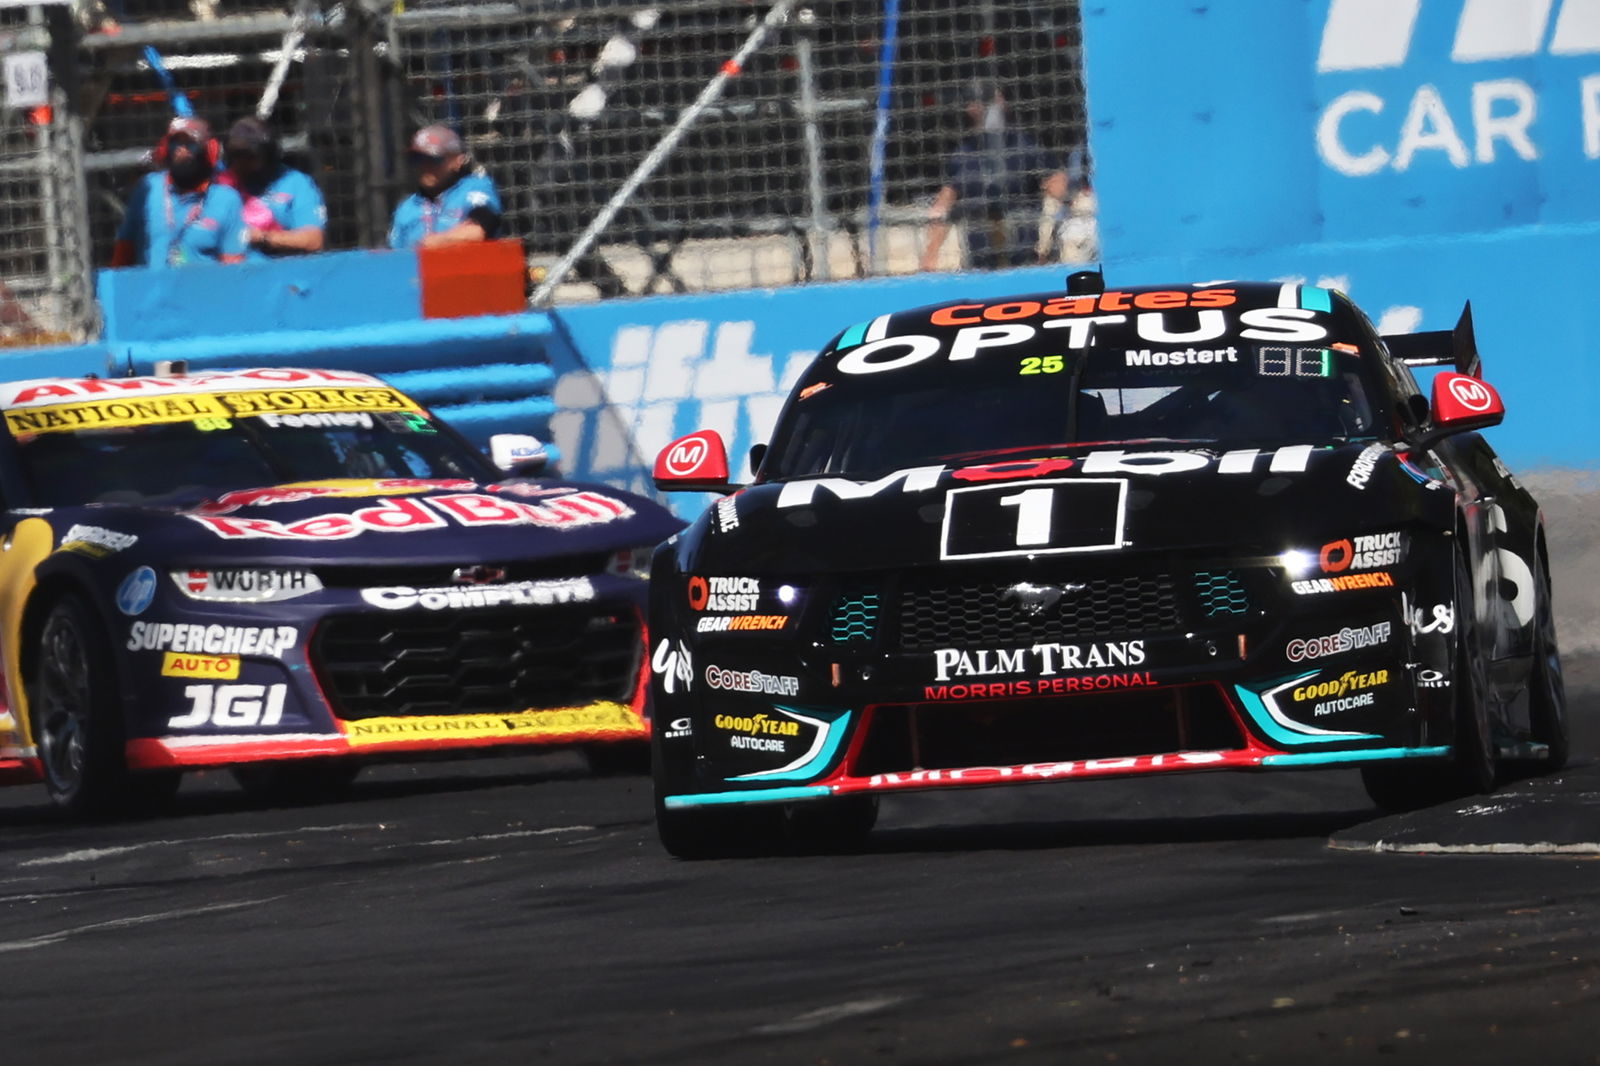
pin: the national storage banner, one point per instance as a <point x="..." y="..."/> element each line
<point x="1301" y="121"/>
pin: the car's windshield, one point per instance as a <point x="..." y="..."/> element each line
<point x="1227" y="394"/>
<point x="186" y="461"/>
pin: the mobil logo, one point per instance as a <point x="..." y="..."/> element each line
<point x="1453" y="86"/>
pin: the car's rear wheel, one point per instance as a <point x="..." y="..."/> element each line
<point x="1472" y="768"/>
<point x="297" y="783"/>
<point x="1547" y="688"/>
<point x="77" y="723"/>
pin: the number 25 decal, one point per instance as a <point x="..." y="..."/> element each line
<point x="1034" y="518"/>
<point x="1043" y="364"/>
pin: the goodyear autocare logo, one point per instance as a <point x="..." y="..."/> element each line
<point x="1472" y="84"/>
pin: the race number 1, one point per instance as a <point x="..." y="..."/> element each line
<point x="1034" y="518"/>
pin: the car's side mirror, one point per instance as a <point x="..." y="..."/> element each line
<point x="758" y="452"/>
<point x="696" y="463"/>
<point x="518" y="454"/>
<point x="1461" y="403"/>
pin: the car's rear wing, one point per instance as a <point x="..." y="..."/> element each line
<point x="1443" y="347"/>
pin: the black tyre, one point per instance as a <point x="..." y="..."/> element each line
<point x="1472" y="767"/>
<point x="297" y="783"/>
<point x="627" y="758"/>
<point x="721" y="832"/>
<point x="1547" y="687"/>
<point x="832" y="825"/>
<point x="77" y="723"/>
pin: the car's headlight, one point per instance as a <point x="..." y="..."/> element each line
<point x="246" y="584"/>
<point x="631" y="562"/>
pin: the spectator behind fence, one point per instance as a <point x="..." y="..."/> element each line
<point x="283" y="209"/>
<point x="177" y="214"/>
<point x="993" y="182"/>
<point x="452" y="204"/>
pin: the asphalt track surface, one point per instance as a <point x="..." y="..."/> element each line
<point x="521" y="911"/>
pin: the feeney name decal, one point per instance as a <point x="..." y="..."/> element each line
<point x="1380" y="579"/>
<point x="270" y="641"/>
<point x="516" y="594"/>
<point x="1043" y="659"/>
<point x="1347" y="639"/>
<point x="96" y="541"/>
<point x="404" y="516"/>
<point x="1362" y="553"/>
<point x="1054" y="686"/>
<point x="973" y="775"/>
<point x="1289" y="459"/>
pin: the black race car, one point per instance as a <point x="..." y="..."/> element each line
<point x="1100" y="533"/>
<point x="291" y="572"/>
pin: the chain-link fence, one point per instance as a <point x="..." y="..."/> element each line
<point x="46" y="288"/>
<point x="820" y="160"/>
<point x="848" y="139"/>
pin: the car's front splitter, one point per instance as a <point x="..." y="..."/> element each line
<point x="1252" y="758"/>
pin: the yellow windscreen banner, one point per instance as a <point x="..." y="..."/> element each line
<point x="123" y="413"/>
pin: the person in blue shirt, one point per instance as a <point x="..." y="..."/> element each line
<point x="284" y="213"/>
<point x="452" y="204"/>
<point x="993" y="181"/>
<point x="178" y="214"/>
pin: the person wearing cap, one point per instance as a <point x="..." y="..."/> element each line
<point x="284" y="213"/>
<point x="178" y="215"/>
<point x="452" y="204"/>
<point x="993" y="181"/>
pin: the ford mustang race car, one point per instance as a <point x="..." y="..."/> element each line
<point x="290" y="572"/>
<point x="1096" y="533"/>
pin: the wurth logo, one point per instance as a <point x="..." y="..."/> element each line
<point x="1373" y="34"/>
<point x="1414" y="90"/>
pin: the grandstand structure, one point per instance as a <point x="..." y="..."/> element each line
<point x="815" y="158"/>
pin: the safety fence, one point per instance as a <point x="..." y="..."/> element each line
<point x="752" y="144"/>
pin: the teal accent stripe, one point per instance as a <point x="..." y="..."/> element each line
<point x="1275" y="731"/>
<point x="750" y="795"/>
<point x="1323" y="758"/>
<point x="1313" y="298"/>
<point x="852" y="336"/>
<point x="810" y="768"/>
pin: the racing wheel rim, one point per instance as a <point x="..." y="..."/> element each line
<point x="65" y="704"/>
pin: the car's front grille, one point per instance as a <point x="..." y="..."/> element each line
<point x="484" y="660"/>
<point x="934" y="614"/>
<point x="854" y="619"/>
<point x="1221" y="593"/>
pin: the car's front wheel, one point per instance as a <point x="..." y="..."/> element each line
<point x="720" y="832"/>
<point x="1473" y="767"/>
<point x="296" y="783"/>
<point x="1547" y="688"/>
<point x="77" y="724"/>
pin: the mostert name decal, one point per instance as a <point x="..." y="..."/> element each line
<point x="1040" y="659"/>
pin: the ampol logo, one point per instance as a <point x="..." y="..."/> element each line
<point x="1421" y="95"/>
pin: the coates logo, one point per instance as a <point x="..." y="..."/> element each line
<point x="1433" y="112"/>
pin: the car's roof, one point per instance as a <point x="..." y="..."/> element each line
<point x="45" y="391"/>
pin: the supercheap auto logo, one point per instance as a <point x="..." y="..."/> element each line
<point x="1403" y="81"/>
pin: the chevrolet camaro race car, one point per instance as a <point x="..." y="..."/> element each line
<point x="289" y="572"/>
<point x="1097" y="533"/>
